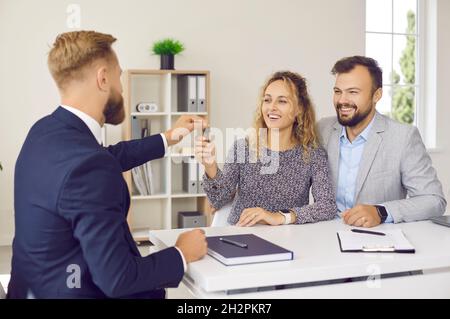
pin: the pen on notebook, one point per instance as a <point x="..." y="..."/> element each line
<point x="367" y="232"/>
<point x="232" y="242"/>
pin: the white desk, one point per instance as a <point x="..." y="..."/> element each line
<point x="318" y="262"/>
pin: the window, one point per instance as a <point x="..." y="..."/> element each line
<point x="401" y="36"/>
<point x="392" y="38"/>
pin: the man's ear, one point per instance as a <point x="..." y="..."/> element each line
<point x="377" y="95"/>
<point x="102" y="79"/>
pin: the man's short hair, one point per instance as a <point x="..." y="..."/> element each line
<point x="72" y="51"/>
<point x="347" y="64"/>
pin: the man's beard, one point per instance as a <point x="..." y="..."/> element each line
<point x="113" y="111"/>
<point x="355" y="119"/>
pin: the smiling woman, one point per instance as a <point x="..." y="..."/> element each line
<point x="269" y="178"/>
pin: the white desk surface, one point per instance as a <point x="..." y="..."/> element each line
<point x="317" y="255"/>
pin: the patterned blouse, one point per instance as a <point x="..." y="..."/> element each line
<point x="277" y="180"/>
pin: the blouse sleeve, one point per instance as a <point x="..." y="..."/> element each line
<point x="222" y="188"/>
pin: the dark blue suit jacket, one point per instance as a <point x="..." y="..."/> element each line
<point x="71" y="203"/>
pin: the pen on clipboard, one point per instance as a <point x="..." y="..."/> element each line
<point x="368" y="232"/>
<point x="234" y="243"/>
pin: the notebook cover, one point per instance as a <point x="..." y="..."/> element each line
<point x="257" y="251"/>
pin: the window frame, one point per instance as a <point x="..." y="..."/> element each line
<point x="425" y="71"/>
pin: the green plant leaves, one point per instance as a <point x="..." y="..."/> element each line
<point x="167" y="46"/>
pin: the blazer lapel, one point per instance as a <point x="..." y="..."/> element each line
<point x="333" y="152"/>
<point x="370" y="151"/>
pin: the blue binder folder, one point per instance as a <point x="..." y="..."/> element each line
<point x="230" y="249"/>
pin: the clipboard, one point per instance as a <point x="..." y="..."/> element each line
<point x="394" y="242"/>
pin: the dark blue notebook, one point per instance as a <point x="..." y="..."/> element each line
<point x="257" y="250"/>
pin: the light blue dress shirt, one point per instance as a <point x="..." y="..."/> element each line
<point x="349" y="161"/>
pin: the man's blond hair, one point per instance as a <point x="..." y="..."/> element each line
<point x="72" y="51"/>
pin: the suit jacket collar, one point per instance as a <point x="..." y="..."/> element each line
<point x="370" y="151"/>
<point x="72" y="120"/>
<point x="333" y="149"/>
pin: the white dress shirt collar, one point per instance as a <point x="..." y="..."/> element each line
<point x="92" y="124"/>
<point x="364" y="134"/>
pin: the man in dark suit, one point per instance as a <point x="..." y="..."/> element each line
<point x="72" y="239"/>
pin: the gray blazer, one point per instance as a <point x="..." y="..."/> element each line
<point x="395" y="170"/>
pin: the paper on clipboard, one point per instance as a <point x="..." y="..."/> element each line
<point x="394" y="241"/>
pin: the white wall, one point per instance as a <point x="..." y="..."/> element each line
<point x="240" y="42"/>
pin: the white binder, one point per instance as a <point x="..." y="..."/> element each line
<point x="190" y="175"/>
<point x="136" y="132"/>
<point x="201" y="172"/>
<point x="187" y="93"/>
<point x="201" y="93"/>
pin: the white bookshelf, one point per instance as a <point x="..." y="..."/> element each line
<point x="146" y="197"/>
<point x="190" y="113"/>
<point x="159" y="210"/>
<point x="148" y="114"/>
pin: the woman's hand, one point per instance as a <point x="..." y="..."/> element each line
<point x="182" y="127"/>
<point x="205" y="153"/>
<point x="258" y="215"/>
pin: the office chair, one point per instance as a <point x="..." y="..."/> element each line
<point x="221" y="216"/>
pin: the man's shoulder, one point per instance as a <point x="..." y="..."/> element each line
<point x="398" y="137"/>
<point x="397" y="128"/>
<point x="51" y="129"/>
<point x="324" y="128"/>
<point x="64" y="146"/>
<point x="326" y="123"/>
<point x="44" y="123"/>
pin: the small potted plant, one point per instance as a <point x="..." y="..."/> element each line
<point x="167" y="49"/>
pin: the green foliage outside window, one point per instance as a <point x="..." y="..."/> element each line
<point x="403" y="102"/>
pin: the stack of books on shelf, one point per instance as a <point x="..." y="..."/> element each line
<point x="142" y="178"/>
<point x="142" y="175"/>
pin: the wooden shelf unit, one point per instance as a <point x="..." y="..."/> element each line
<point x="160" y="87"/>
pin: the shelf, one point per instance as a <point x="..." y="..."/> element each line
<point x="141" y="197"/>
<point x="160" y="87"/>
<point x="189" y="113"/>
<point x="187" y="195"/>
<point x="162" y="72"/>
<point x="139" y="114"/>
